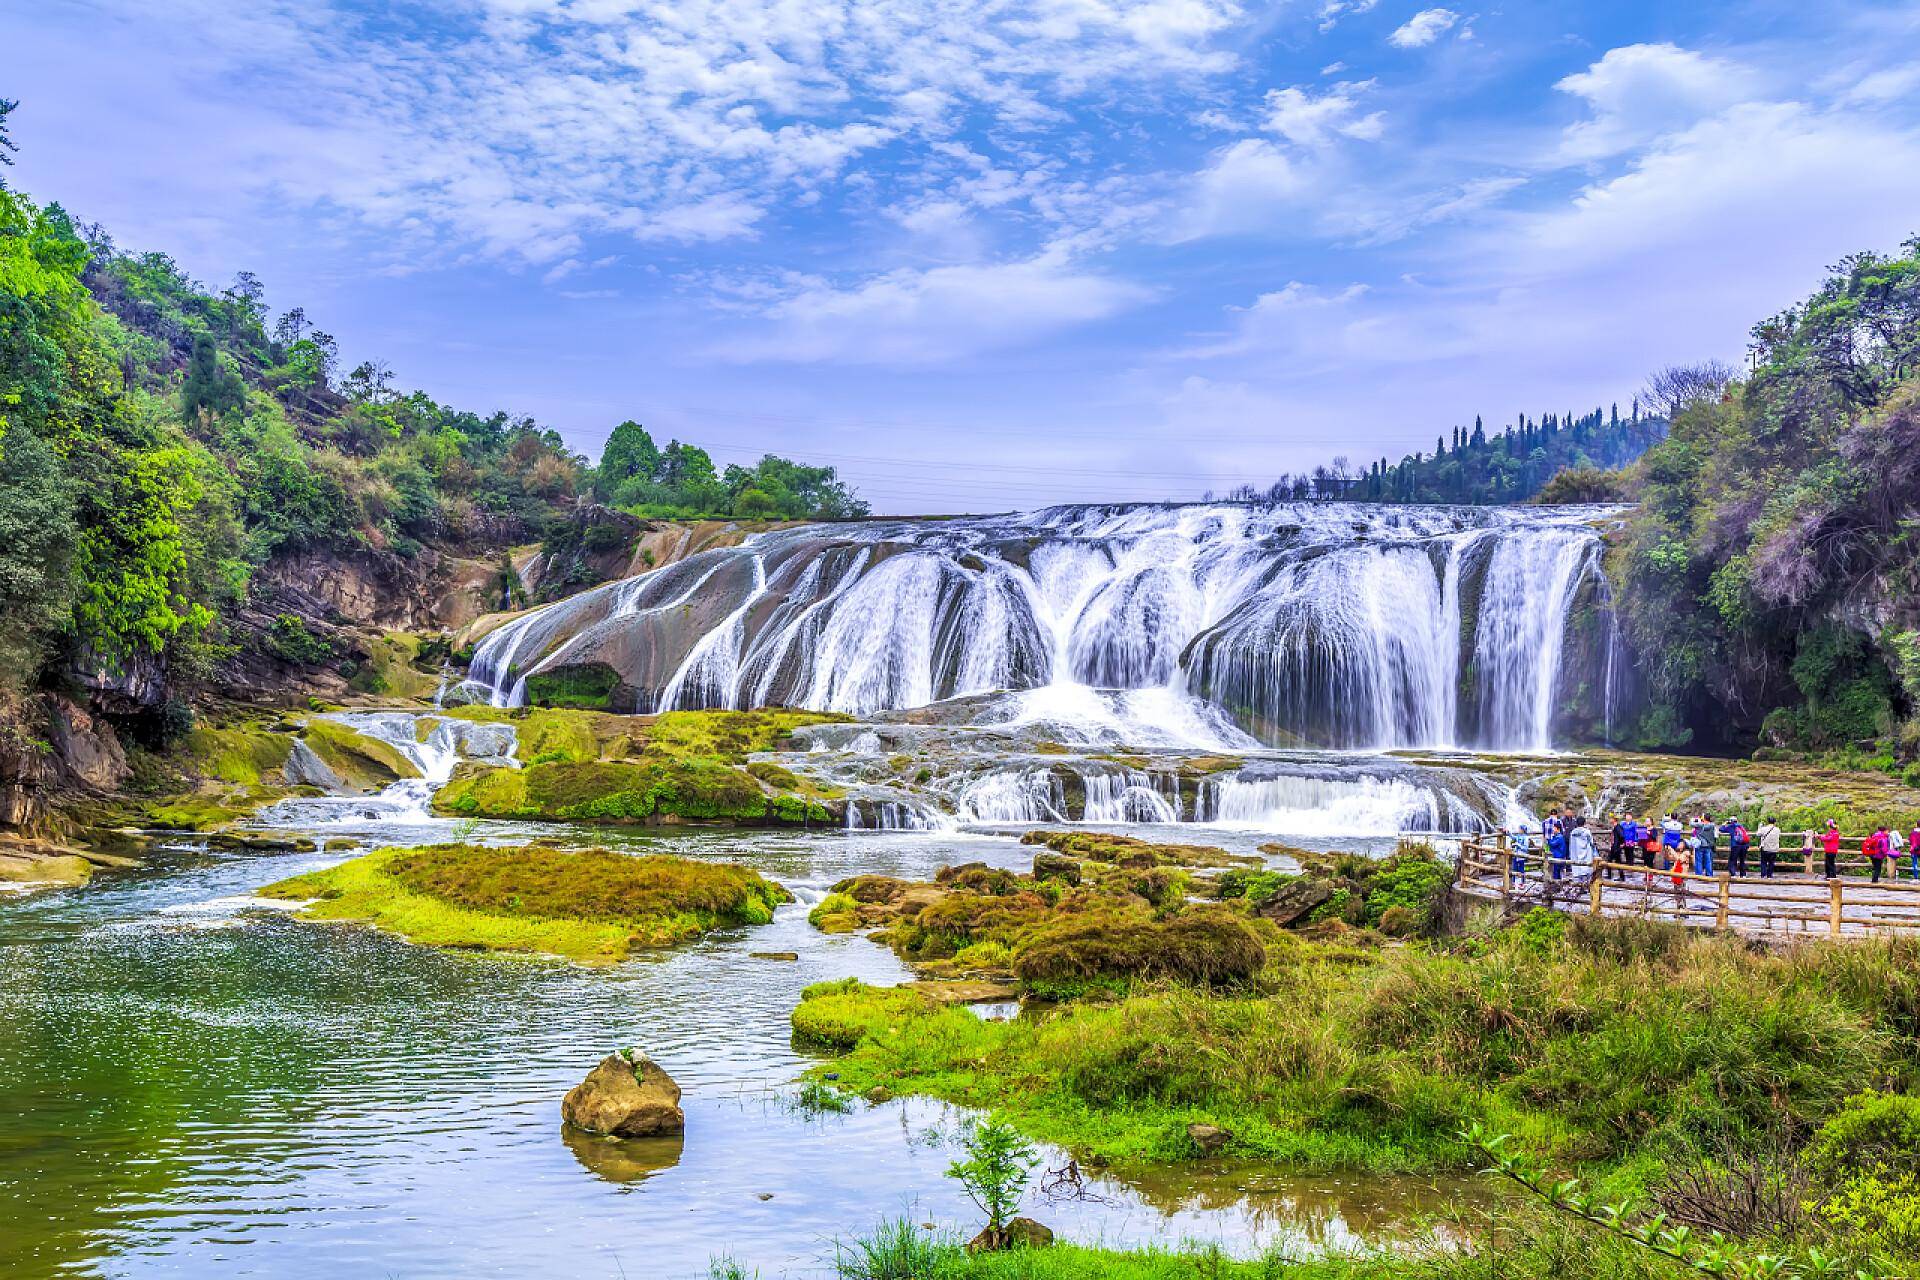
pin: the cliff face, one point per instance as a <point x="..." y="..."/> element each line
<point x="334" y="624"/>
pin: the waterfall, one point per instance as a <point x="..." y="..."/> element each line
<point x="1530" y="582"/>
<point x="432" y="744"/>
<point x="1351" y="626"/>
<point x="1131" y="796"/>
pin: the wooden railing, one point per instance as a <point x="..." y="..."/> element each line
<point x="1791" y="903"/>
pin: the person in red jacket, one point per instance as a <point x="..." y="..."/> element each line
<point x="1830" y="846"/>
<point x="1878" y="847"/>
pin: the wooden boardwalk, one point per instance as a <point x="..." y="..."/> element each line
<point x="1795" y="902"/>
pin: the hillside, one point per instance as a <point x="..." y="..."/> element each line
<point x="1550" y="458"/>
<point x="198" y="504"/>
<point x="1768" y="575"/>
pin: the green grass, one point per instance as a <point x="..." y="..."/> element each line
<point x="592" y="906"/>
<point x="1597" y="1048"/>
<point x="1532" y="1246"/>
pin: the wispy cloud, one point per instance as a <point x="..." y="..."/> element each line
<point x="933" y="316"/>
<point x="1423" y="28"/>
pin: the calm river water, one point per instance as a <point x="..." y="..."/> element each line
<point x="193" y="1084"/>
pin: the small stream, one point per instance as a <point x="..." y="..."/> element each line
<point x="194" y="1084"/>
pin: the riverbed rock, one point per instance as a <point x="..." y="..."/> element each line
<point x="1021" y="1233"/>
<point x="50" y="870"/>
<point x="626" y="1096"/>
<point x="85" y="747"/>
<point x="1211" y="1139"/>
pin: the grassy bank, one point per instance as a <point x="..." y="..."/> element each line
<point x="682" y="766"/>
<point x="1602" y="1043"/>
<point x="592" y="906"/>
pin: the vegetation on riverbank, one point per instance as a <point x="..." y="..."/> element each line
<point x="591" y="906"/>
<point x="1602" y="1043"/>
<point x="1103" y="913"/>
<point x="684" y="765"/>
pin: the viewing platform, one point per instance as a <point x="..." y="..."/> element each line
<point x="1795" y="902"/>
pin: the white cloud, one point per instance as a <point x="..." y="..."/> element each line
<point x="686" y="121"/>
<point x="1423" y="28"/>
<point x="1305" y="119"/>
<point x="1638" y="92"/>
<point x="936" y="315"/>
<point x="1244" y="188"/>
<point x="1891" y="84"/>
<point x="1295" y="323"/>
<point x="1333" y="10"/>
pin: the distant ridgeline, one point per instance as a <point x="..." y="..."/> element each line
<point x="1553" y="458"/>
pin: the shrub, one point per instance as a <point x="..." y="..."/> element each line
<point x="1200" y="947"/>
<point x="994" y="1174"/>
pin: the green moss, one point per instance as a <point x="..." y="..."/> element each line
<point x="242" y="757"/>
<point x="593" y="906"/>
<point x="195" y="813"/>
<point x="391" y="668"/>
<point x="590" y="687"/>
<point x="687" y="765"/>
<point x="836" y="913"/>
<point x="839" y="1015"/>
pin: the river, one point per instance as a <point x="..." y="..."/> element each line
<point x="194" y="1084"/>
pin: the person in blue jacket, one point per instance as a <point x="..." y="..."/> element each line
<point x="1738" y="842"/>
<point x="1556" y="833"/>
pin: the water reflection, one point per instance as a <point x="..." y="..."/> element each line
<point x="624" y="1159"/>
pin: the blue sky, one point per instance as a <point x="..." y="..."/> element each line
<point x="984" y="254"/>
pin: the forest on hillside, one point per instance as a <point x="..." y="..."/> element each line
<point x="1554" y="457"/>
<point x="161" y="441"/>
<point x="1768" y="575"/>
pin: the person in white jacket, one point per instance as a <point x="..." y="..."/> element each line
<point x="1580" y="851"/>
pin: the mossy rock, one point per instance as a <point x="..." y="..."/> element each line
<point x="363" y="763"/>
<point x="240" y="757"/>
<point x="54" y="871"/>
<point x="592" y="906"/>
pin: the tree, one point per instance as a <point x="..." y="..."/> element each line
<point x="36" y="550"/>
<point x="994" y="1174"/>
<point x="630" y="454"/>
<point x="6" y="143"/>
<point x="210" y="387"/>
<point x="1678" y="385"/>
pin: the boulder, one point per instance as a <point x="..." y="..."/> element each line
<point x="1295" y="899"/>
<point x="1209" y="1138"/>
<point x="1021" y="1233"/>
<point x="84" y="748"/>
<point x="626" y="1096"/>
<point x="1056" y="866"/>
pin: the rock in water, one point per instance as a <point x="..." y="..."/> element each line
<point x="1021" y="1233"/>
<point x="626" y="1096"/>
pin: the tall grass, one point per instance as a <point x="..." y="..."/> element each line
<point x="1599" y="1047"/>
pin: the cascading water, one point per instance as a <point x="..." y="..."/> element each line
<point x="445" y="744"/>
<point x="1324" y="624"/>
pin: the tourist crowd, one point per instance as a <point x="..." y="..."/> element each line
<point x="1569" y="849"/>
